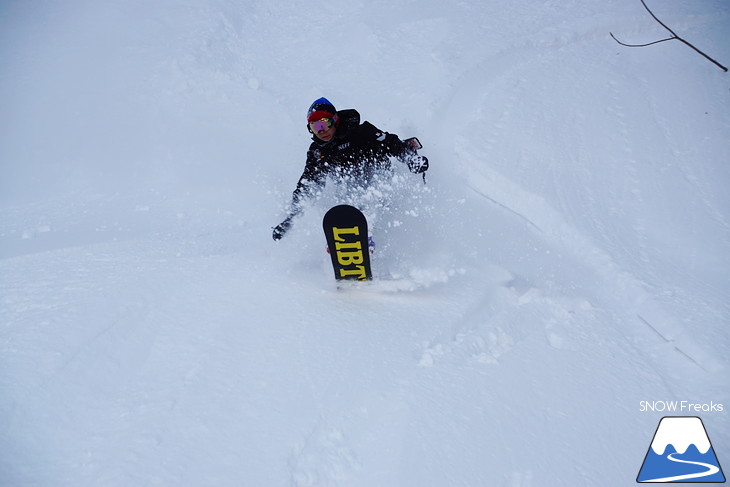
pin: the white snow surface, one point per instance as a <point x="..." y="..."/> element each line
<point x="689" y="429"/>
<point x="568" y="257"/>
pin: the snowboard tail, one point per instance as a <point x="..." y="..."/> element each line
<point x="346" y="231"/>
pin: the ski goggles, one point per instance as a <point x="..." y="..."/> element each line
<point x="321" y="124"/>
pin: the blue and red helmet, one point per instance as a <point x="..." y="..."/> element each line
<point x="321" y="108"/>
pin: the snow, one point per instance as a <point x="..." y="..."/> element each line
<point x="566" y="260"/>
<point x="689" y="429"/>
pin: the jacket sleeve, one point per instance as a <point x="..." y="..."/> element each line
<point x="390" y="144"/>
<point x="311" y="181"/>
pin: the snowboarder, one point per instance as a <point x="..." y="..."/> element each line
<point x="347" y="150"/>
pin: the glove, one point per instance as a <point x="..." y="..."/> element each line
<point x="281" y="228"/>
<point x="418" y="165"/>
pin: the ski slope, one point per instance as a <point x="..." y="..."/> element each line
<point x="567" y="258"/>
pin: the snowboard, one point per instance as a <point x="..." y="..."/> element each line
<point x="346" y="231"/>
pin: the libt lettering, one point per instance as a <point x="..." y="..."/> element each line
<point x="349" y="253"/>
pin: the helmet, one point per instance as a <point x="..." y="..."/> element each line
<point x="321" y="108"/>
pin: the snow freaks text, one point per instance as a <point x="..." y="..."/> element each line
<point x="682" y="407"/>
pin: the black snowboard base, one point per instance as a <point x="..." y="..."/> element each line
<point x="346" y="231"/>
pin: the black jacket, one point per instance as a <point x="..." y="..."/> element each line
<point x="357" y="152"/>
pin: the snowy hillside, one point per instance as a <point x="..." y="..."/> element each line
<point x="567" y="259"/>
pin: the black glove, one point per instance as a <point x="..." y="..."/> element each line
<point x="418" y="164"/>
<point x="281" y="228"/>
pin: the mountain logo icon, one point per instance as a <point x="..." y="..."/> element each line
<point x="680" y="452"/>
